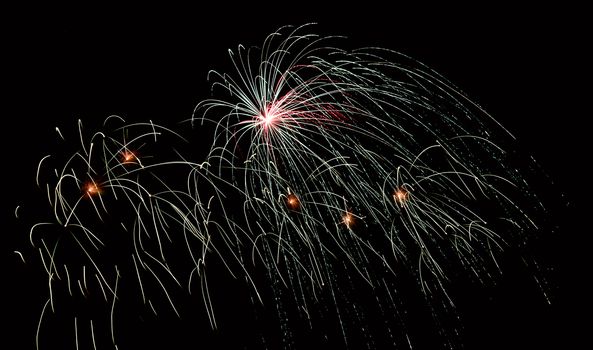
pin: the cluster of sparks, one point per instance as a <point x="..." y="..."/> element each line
<point x="321" y="161"/>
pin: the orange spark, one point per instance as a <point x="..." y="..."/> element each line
<point x="293" y="202"/>
<point x="128" y="157"/>
<point x="92" y="189"/>
<point x="348" y="219"/>
<point x="400" y="196"/>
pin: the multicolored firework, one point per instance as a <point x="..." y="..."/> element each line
<point x="331" y="176"/>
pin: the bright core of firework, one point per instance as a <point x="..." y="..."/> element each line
<point x="267" y="119"/>
<point x="270" y="116"/>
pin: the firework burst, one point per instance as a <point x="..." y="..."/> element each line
<point x="332" y="176"/>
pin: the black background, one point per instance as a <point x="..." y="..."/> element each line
<point x="523" y="65"/>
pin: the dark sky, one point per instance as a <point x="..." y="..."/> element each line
<point x="522" y="65"/>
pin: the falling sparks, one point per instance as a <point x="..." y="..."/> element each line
<point x="340" y="123"/>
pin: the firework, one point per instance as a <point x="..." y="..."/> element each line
<point x="332" y="176"/>
<point x="393" y="166"/>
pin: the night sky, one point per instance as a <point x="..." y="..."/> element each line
<point x="523" y="66"/>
